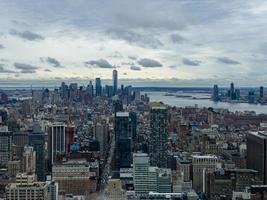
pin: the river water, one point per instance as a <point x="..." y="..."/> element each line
<point x="189" y="101"/>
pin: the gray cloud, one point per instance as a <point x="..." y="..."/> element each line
<point x="190" y="62"/>
<point x="3" y="70"/>
<point x="132" y="57"/>
<point x="51" y="61"/>
<point x="176" y="38"/>
<point x="172" y="66"/>
<point x="25" y="68"/>
<point x="228" y="61"/>
<point x="47" y="70"/>
<point x="27" y="35"/>
<point x="27" y="71"/>
<point x="140" y="39"/>
<point x="146" y="62"/>
<point x="101" y="63"/>
<point x="2" y="46"/>
<point x="135" y="68"/>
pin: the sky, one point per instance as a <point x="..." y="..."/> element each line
<point x="159" y="42"/>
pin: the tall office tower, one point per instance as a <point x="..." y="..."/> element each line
<point x="98" y="87"/>
<point x="201" y="166"/>
<point x="56" y="141"/>
<point x="133" y="124"/>
<point x="101" y="133"/>
<point x="257" y="154"/>
<point x="29" y="160"/>
<point x="115" y="81"/>
<point x="232" y="91"/>
<point x="215" y="95"/>
<point x="5" y="145"/>
<point x="26" y="188"/>
<point x="37" y="141"/>
<point x="90" y="89"/>
<point x="123" y="140"/>
<point x="261" y="92"/>
<point x="140" y="173"/>
<point x="158" y="137"/>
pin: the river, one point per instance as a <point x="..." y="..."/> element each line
<point x="188" y="101"/>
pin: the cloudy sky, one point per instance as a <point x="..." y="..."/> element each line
<point x="173" y="42"/>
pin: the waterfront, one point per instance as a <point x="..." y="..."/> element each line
<point x="199" y="99"/>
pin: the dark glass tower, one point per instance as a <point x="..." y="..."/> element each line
<point x="115" y="81"/>
<point x="98" y="87"/>
<point x="37" y="141"/>
<point x="123" y="140"/>
<point x="158" y="137"/>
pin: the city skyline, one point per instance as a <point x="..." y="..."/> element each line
<point x="194" y="43"/>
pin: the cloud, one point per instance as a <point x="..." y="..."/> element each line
<point x="135" y="68"/>
<point x="2" y="46"/>
<point x="51" y="61"/>
<point x="26" y="68"/>
<point x="47" y="70"/>
<point x="146" y="62"/>
<point x="190" y="62"/>
<point x="176" y="38"/>
<point x="101" y="63"/>
<point x="27" y="35"/>
<point x="140" y="39"/>
<point x="228" y="61"/>
<point x="3" y="70"/>
<point x="173" y="66"/>
<point x="28" y="71"/>
<point x="132" y="57"/>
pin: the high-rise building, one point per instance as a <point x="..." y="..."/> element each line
<point x="215" y="95"/>
<point x="56" y="141"/>
<point x="37" y="141"/>
<point x="98" y="87"/>
<point x="251" y="97"/>
<point x="201" y="166"/>
<point x="115" y="81"/>
<point x="158" y="137"/>
<point x="148" y="178"/>
<point x="123" y="140"/>
<point x="5" y="145"/>
<point x="26" y="188"/>
<point x="29" y="160"/>
<point x="101" y="132"/>
<point x="261" y="92"/>
<point x="90" y="89"/>
<point x="140" y="173"/>
<point x="133" y="124"/>
<point x="232" y="91"/>
<point x="257" y="154"/>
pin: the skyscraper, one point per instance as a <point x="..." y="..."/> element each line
<point x="140" y="172"/>
<point x="56" y="141"/>
<point x="37" y="141"/>
<point x="158" y="137"/>
<point x="257" y="153"/>
<point x="261" y="92"/>
<point x="123" y="140"/>
<point x="5" y="145"/>
<point x="98" y="87"/>
<point x="115" y="81"/>
<point x="215" y="96"/>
